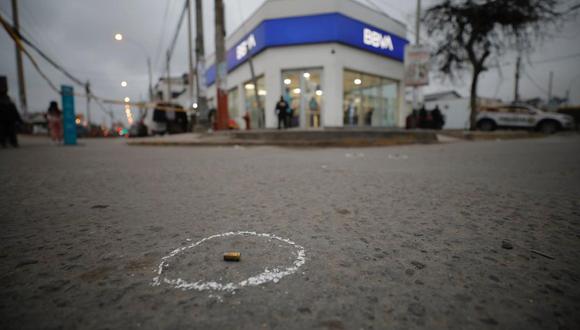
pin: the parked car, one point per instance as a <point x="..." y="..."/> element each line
<point x="522" y="117"/>
<point x="138" y="129"/>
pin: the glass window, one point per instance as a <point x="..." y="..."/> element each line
<point x="233" y="110"/>
<point x="369" y="100"/>
<point x="257" y="118"/>
<point x="302" y="90"/>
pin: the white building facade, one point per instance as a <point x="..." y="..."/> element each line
<point x="336" y="62"/>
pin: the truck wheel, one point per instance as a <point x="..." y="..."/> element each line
<point x="486" y="125"/>
<point x="548" y="127"/>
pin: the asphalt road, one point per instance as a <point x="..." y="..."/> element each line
<point x="396" y="237"/>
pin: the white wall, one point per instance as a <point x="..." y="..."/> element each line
<point x="456" y="112"/>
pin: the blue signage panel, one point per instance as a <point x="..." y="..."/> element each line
<point x="68" y="115"/>
<point x="313" y="29"/>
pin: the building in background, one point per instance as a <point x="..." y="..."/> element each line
<point x="336" y="62"/>
<point x="456" y="108"/>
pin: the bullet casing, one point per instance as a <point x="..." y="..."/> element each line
<point x="232" y="256"/>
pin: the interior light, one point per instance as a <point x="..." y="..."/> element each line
<point x="287" y="81"/>
<point x="262" y="92"/>
<point x="297" y="91"/>
<point x="250" y="86"/>
<point x="194" y="105"/>
<point x="127" y="100"/>
<point x="357" y="81"/>
<point x="319" y="92"/>
<point x="118" y="37"/>
<point x="306" y="75"/>
<point x="123" y="83"/>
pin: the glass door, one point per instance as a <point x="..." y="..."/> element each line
<point x="302" y="90"/>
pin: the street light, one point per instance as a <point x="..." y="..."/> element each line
<point x="127" y="100"/>
<point x="123" y="83"/>
<point x="119" y="37"/>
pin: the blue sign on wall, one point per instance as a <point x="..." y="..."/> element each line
<point x="313" y="29"/>
<point x="68" y="115"/>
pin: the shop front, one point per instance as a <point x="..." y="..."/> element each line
<point x="336" y="63"/>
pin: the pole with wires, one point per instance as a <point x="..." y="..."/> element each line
<point x="222" y="70"/>
<point x="517" y="79"/>
<point x="168" y="77"/>
<point x="417" y="42"/>
<point x="189" y="57"/>
<point x="200" y="59"/>
<point x="88" y="92"/>
<point x="19" y="64"/>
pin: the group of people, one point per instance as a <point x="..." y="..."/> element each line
<point x="424" y="118"/>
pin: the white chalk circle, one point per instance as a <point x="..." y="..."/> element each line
<point x="268" y="275"/>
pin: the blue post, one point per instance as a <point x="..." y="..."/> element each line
<point x="68" y="115"/>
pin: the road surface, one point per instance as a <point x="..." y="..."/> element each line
<point x="468" y="235"/>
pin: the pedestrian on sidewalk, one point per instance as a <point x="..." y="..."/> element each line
<point x="9" y="117"/>
<point x="54" y="117"/>
<point x="282" y="112"/>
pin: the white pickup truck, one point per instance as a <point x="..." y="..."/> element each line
<point x="522" y="116"/>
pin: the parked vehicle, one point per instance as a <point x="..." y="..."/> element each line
<point x="138" y="129"/>
<point x="167" y="118"/>
<point x="522" y="117"/>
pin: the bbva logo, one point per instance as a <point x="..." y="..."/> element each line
<point x="377" y="40"/>
<point x="244" y="46"/>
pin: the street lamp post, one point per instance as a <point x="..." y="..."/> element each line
<point x="120" y="37"/>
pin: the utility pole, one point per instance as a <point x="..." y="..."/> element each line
<point x="517" y="86"/>
<point x="418" y="23"/>
<point x="88" y="92"/>
<point x="262" y="119"/>
<point x="200" y="58"/>
<point x="550" y="83"/>
<point x="168" y="60"/>
<point x="19" y="64"/>
<point x="150" y="79"/>
<point x="417" y="43"/>
<point x="222" y="70"/>
<point x="189" y="56"/>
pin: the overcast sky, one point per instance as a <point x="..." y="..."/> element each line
<point x="79" y="35"/>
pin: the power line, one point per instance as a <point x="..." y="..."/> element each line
<point x="538" y="86"/>
<point x="177" y="30"/>
<point x="19" y="40"/>
<point x="162" y="35"/>
<point x="556" y="59"/>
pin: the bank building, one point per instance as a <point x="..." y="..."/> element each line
<point x="337" y="63"/>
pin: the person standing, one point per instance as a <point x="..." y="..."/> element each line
<point x="54" y="117"/>
<point x="9" y="117"/>
<point x="438" y="118"/>
<point x="282" y="111"/>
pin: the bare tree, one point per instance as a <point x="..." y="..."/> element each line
<point x="467" y="33"/>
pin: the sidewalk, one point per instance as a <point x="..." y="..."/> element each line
<point x="298" y="138"/>
<point x="333" y="137"/>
